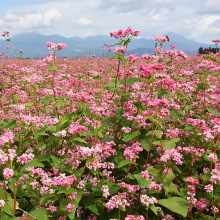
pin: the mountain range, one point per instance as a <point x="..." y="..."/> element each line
<point x="34" y="45"/>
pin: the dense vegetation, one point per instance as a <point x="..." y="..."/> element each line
<point x="120" y="138"/>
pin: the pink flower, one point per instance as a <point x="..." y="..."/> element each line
<point x="7" y="172"/>
<point x="145" y="174"/>
<point x="120" y="50"/>
<point x="70" y="207"/>
<point x="5" y="33"/>
<point x="172" y="46"/>
<point x="2" y="203"/>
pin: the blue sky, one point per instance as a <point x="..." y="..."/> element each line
<point x="194" y="19"/>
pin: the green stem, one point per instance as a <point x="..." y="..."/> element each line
<point x="153" y="136"/>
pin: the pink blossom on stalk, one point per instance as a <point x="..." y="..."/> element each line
<point x="145" y="174"/>
<point x="21" y="51"/>
<point x="53" y="46"/>
<point x="105" y="190"/>
<point x="7" y="172"/>
<point x="70" y="207"/>
<point x="146" y="200"/>
<point x="172" y="46"/>
<point x="120" y="50"/>
<point x="6" y="33"/>
<point x="8" y="136"/>
<point x="2" y="203"/>
<point x="161" y="39"/>
<point x="133" y="217"/>
<point x="192" y="180"/>
<point x="168" y="217"/>
<point x="216" y="41"/>
<point x="208" y="188"/>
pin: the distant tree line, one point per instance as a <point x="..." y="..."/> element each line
<point x="208" y="50"/>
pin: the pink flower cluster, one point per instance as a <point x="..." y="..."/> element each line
<point x="7" y="137"/>
<point x="129" y="187"/>
<point x="7" y="172"/>
<point x="105" y="190"/>
<point x="146" y="200"/>
<point x="133" y="217"/>
<point x="6" y="33"/>
<point x="70" y="207"/>
<point x="216" y="41"/>
<point x="130" y="152"/>
<point x="120" y="34"/>
<point x="161" y="39"/>
<point x="2" y="203"/>
<point x="53" y="46"/>
<point x="119" y="200"/>
<point x="120" y="50"/>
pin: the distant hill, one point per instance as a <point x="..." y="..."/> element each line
<point x="34" y="45"/>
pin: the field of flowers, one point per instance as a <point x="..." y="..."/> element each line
<point x="112" y="138"/>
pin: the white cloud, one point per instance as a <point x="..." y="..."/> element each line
<point x="30" y="21"/>
<point x="84" y="21"/>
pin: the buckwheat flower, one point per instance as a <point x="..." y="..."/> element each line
<point x="133" y="217"/>
<point x="145" y="174"/>
<point x="126" y="129"/>
<point x="105" y="190"/>
<point x="70" y="207"/>
<point x="192" y="180"/>
<point x="215" y="209"/>
<point x="208" y="188"/>
<point x="168" y="217"/>
<point x="7" y="172"/>
<point x="2" y="203"/>
<point x="213" y="157"/>
<point x="146" y="200"/>
<point x="120" y="50"/>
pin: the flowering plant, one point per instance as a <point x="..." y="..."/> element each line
<point x="94" y="139"/>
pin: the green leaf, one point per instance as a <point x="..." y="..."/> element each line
<point x="33" y="163"/>
<point x="94" y="209"/>
<point x="46" y="100"/>
<point x="145" y="143"/>
<point x="168" y="186"/>
<point x="214" y="59"/>
<point x="143" y="183"/>
<point x="112" y="84"/>
<point x="61" y="122"/>
<point x="200" y="86"/>
<point x="168" y="144"/>
<point x="8" y="207"/>
<point x="106" y="122"/>
<point x="46" y="197"/>
<point x="44" y="157"/>
<point x="152" y="119"/>
<point x="29" y="104"/>
<point x="158" y="133"/>
<point x="41" y="134"/>
<point x="131" y="81"/>
<point x="175" y="204"/>
<point x="79" y="140"/>
<point x="176" y="114"/>
<point x="40" y="213"/>
<point x="153" y="208"/>
<point x="52" y="68"/>
<point x="4" y="216"/>
<point x="10" y="123"/>
<point x="59" y="102"/>
<point x="2" y="194"/>
<point x="130" y="136"/>
<point x="125" y="162"/>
